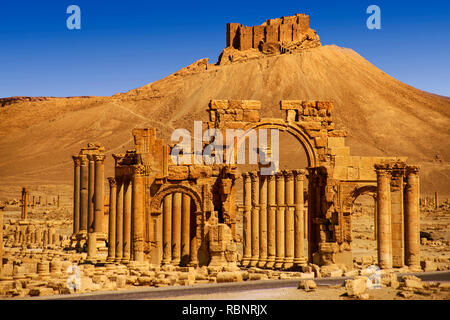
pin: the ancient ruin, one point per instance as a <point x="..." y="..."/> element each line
<point x="275" y="36"/>
<point x="165" y="213"/>
<point x="159" y="220"/>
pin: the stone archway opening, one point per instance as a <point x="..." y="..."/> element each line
<point x="364" y="228"/>
<point x="274" y="240"/>
<point x="171" y="232"/>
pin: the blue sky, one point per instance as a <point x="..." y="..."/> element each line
<point x="126" y="44"/>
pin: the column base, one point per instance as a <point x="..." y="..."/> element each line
<point x="166" y="262"/>
<point x="245" y="261"/>
<point x="288" y="264"/>
<point x="279" y="263"/>
<point x="117" y="259"/>
<point x="253" y="262"/>
<point x="262" y="263"/>
<point x="270" y="262"/>
<point x="415" y="268"/>
<point x="193" y="264"/>
<point x="175" y="262"/>
<point x="298" y="262"/>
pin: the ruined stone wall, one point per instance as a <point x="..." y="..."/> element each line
<point x="285" y="29"/>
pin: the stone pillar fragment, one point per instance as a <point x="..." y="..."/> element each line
<point x="138" y="213"/>
<point x="176" y="228"/>
<point x="185" y="228"/>
<point x="91" y="191"/>
<point x="84" y="196"/>
<point x="98" y="193"/>
<point x="280" y="221"/>
<point x="76" y="194"/>
<point x="112" y="219"/>
<point x="247" y="219"/>
<point x="193" y="262"/>
<point x="384" y="217"/>
<point x="119" y="220"/>
<point x="25" y="195"/>
<point x="271" y="222"/>
<point x="436" y="200"/>
<point x="255" y="218"/>
<point x="167" y="229"/>
<point x="412" y="219"/>
<point x="127" y="200"/>
<point x="299" y="250"/>
<point x="397" y="218"/>
<point x="262" y="221"/>
<point x="289" y="220"/>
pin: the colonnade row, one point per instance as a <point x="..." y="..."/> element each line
<point x="398" y="221"/>
<point x="178" y="225"/>
<point x="274" y="224"/>
<point x="126" y="218"/>
<point x="88" y="194"/>
<point x="170" y="236"/>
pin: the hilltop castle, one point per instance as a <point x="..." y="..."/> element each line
<point x="275" y="36"/>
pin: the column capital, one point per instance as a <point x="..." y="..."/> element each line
<point x="270" y="178"/>
<point x="289" y="175"/>
<point x="83" y="159"/>
<point x="112" y="181"/>
<point x="245" y="175"/>
<point x="139" y="170"/>
<point x="76" y="160"/>
<point x="383" y="169"/>
<point x="279" y="175"/>
<point x="98" y="157"/>
<point x="118" y="157"/>
<point x="254" y="176"/>
<point x="412" y="170"/>
<point x="299" y="174"/>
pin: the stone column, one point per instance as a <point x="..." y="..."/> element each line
<point x="91" y="191"/>
<point x="412" y="219"/>
<point x="98" y="193"/>
<point x="24" y="203"/>
<point x="138" y="213"/>
<point x="289" y="220"/>
<point x="167" y="229"/>
<point x="76" y="194"/>
<point x="176" y="228"/>
<point x="127" y="199"/>
<point x="397" y="218"/>
<point x="112" y="219"/>
<point x="280" y="237"/>
<point x="262" y="221"/>
<point x="255" y="218"/>
<point x="119" y="220"/>
<point x="185" y="228"/>
<point x="271" y="222"/>
<point x="436" y="200"/>
<point x="384" y="217"/>
<point x="299" y="249"/>
<point x="84" y="181"/>
<point x="247" y="220"/>
<point x="193" y="260"/>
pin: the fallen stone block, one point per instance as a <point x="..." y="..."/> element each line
<point x="307" y="285"/>
<point x="228" y="277"/>
<point x="356" y="286"/>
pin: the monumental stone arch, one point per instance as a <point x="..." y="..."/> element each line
<point x="151" y="198"/>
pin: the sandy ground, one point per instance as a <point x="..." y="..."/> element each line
<point x="321" y="293"/>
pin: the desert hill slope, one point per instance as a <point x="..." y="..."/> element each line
<point x="382" y="115"/>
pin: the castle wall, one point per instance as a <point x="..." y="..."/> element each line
<point x="285" y="29"/>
